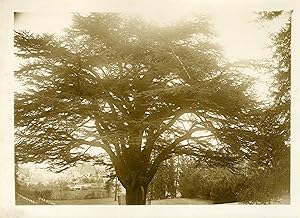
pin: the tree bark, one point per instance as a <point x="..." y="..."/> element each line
<point x="136" y="195"/>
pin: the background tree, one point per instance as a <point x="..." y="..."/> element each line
<point x="108" y="187"/>
<point x="163" y="184"/>
<point x="269" y="175"/>
<point x="142" y="92"/>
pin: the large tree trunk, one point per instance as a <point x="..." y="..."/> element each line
<point x="136" y="195"/>
<point x="136" y="187"/>
<point x="133" y="175"/>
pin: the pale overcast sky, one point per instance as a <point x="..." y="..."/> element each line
<point x="240" y="36"/>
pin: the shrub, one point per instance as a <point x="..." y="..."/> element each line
<point x="91" y="195"/>
<point x="46" y="194"/>
<point x="264" y="187"/>
<point x="214" y="184"/>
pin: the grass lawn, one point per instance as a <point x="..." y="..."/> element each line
<point x="178" y="201"/>
<point x="101" y="201"/>
<point x="110" y="201"/>
<point x="21" y="201"/>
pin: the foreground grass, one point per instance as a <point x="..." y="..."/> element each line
<point x="110" y="201"/>
<point x="100" y="201"/>
<point x="182" y="201"/>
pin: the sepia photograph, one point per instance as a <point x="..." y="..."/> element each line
<point x="123" y="109"/>
<point x="152" y="107"/>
